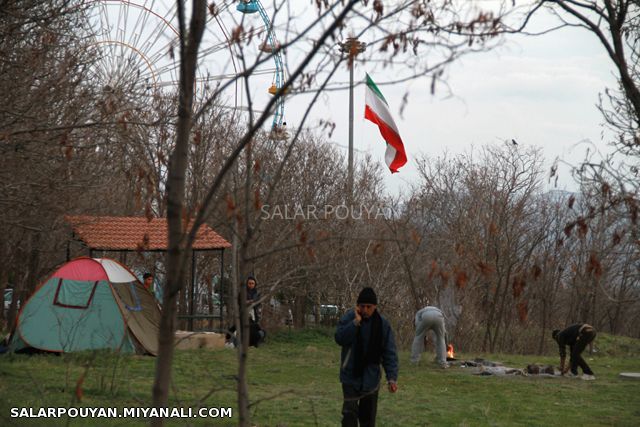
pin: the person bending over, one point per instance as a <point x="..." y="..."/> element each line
<point x="576" y="337"/>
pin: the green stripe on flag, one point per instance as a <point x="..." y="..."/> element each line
<point x="375" y="89"/>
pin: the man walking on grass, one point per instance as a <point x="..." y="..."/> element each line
<point x="576" y="337"/>
<point x="367" y="341"/>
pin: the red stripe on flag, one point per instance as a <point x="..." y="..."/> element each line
<point x="391" y="137"/>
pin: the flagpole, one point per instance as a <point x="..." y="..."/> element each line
<point x="350" y="168"/>
<point x="352" y="47"/>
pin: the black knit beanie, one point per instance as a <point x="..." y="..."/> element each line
<point x="367" y="296"/>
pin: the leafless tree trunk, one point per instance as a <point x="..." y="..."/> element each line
<point x="177" y="253"/>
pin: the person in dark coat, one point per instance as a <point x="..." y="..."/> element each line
<point x="252" y="297"/>
<point x="256" y="333"/>
<point x="367" y="341"/>
<point x="577" y="337"/>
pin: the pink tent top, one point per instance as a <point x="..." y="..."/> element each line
<point x="82" y="269"/>
<point x="94" y="269"/>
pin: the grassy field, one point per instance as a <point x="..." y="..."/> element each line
<point x="294" y="382"/>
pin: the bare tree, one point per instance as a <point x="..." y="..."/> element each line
<point x="615" y="24"/>
<point x="440" y="27"/>
<point x="45" y="165"/>
<point x="480" y="230"/>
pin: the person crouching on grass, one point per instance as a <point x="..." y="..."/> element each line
<point x="367" y="341"/>
<point x="576" y="337"/>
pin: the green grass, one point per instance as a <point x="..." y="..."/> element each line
<point x="293" y="381"/>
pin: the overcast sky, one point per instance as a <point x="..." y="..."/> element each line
<point x="541" y="91"/>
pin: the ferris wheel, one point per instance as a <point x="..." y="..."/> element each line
<point x="136" y="47"/>
<point x="271" y="46"/>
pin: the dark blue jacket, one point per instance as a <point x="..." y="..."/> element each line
<point x="346" y="337"/>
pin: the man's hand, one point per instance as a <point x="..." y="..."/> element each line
<point x="393" y="386"/>
<point x="358" y="318"/>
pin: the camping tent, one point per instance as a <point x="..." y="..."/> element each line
<point x="88" y="304"/>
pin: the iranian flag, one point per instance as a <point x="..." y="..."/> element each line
<point x="377" y="111"/>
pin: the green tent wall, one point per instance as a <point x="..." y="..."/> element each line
<point x="89" y="304"/>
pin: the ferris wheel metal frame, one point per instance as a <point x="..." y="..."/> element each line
<point x="129" y="47"/>
<point x="253" y="6"/>
<point x="137" y="44"/>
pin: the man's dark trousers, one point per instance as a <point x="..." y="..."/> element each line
<point x="585" y="337"/>
<point x="359" y="406"/>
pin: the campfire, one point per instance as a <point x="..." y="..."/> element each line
<point x="450" y="353"/>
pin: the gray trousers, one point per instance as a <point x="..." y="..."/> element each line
<point x="429" y="318"/>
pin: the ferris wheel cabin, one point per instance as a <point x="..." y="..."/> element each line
<point x="247" y="6"/>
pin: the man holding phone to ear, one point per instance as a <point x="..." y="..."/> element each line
<point x="367" y="341"/>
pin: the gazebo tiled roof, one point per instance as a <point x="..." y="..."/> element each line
<point x="135" y="233"/>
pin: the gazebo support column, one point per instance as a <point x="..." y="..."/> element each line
<point x="192" y="298"/>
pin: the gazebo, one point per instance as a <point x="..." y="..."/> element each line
<point x="141" y="234"/>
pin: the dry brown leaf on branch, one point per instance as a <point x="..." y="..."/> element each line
<point x="213" y="9"/>
<point x="257" y="202"/>
<point x="444" y="276"/>
<point x="148" y="211"/>
<point x="434" y="269"/>
<point x="568" y="228"/>
<point x="518" y="286"/>
<point x="632" y="205"/>
<point x="594" y="266"/>
<point x="536" y="271"/>
<point x="582" y="227"/>
<point x="616" y="238"/>
<point x="461" y="279"/>
<point x="378" y="7"/>
<point x="231" y="205"/>
<point x="485" y="269"/>
<point x="415" y="236"/>
<point x="378" y="248"/>
<point x="311" y="252"/>
<point x="236" y="34"/>
<point x="79" y="392"/>
<point x="523" y="310"/>
<point x="493" y="228"/>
